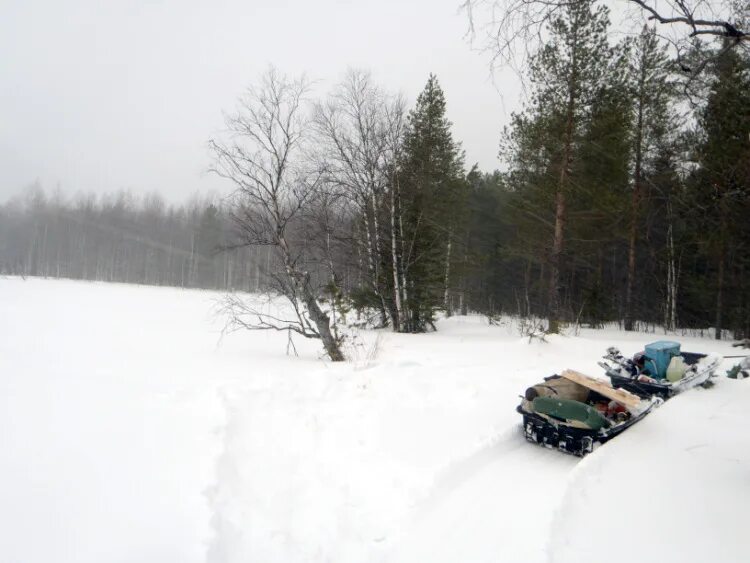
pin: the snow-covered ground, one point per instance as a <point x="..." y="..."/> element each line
<point x="131" y="431"/>
<point x="677" y="486"/>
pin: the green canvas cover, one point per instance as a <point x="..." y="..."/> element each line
<point x="567" y="409"/>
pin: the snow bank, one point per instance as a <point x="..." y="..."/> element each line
<point x="675" y="487"/>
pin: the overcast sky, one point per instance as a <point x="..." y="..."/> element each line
<point x="98" y="96"/>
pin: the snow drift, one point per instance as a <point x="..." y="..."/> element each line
<point x="677" y="486"/>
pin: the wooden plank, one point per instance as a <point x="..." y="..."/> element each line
<point x="625" y="398"/>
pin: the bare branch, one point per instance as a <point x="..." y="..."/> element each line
<point x="265" y="158"/>
<point x="511" y="31"/>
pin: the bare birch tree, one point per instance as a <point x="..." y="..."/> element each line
<point x="359" y="129"/>
<point x="266" y="158"/>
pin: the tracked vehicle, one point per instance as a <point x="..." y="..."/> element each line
<point x="574" y="413"/>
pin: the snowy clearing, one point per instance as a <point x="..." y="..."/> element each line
<point x="133" y="432"/>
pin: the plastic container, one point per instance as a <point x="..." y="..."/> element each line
<point x="659" y="355"/>
<point x="676" y="370"/>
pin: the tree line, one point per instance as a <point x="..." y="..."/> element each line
<point x="124" y="238"/>
<point x="628" y="191"/>
<point x="623" y="196"/>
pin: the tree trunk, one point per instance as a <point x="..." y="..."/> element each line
<point x="670" y="321"/>
<point x="322" y="323"/>
<point x="406" y="321"/>
<point x="398" y="321"/>
<point x="636" y="200"/>
<point x="446" y="296"/>
<point x="317" y="315"/>
<point x="378" y="256"/>
<point x="719" y="292"/>
<point x="722" y="251"/>
<point x="463" y="304"/>
<point x="554" y="278"/>
<point x="560" y="204"/>
<point x="372" y="267"/>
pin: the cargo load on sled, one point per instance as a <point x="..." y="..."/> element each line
<point x="662" y="369"/>
<point x="573" y="412"/>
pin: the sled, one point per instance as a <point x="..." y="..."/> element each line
<point x="646" y="373"/>
<point x="574" y="413"/>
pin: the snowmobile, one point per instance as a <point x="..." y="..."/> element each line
<point x="573" y="413"/>
<point x="661" y="369"/>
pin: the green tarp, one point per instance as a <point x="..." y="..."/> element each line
<point x="567" y="409"/>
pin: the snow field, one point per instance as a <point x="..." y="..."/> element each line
<point x="108" y="424"/>
<point x="132" y="431"/>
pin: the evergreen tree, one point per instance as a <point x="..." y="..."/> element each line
<point x="723" y="182"/>
<point x="566" y="74"/>
<point x="208" y="245"/>
<point x="496" y="278"/>
<point x="653" y="120"/>
<point x="597" y="198"/>
<point x="432" y="195"/>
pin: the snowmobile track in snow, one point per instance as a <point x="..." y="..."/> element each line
<point x="485" y="507"/>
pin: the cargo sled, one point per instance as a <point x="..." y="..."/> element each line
<point x="573" y="413"/>
<point x="661" y="370"/>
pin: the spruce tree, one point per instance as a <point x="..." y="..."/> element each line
<point x="432" y="195"/>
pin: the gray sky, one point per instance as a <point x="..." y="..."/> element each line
<point x="98" y="96"/>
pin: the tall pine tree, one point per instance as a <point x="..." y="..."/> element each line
<point x="653" y="120"/>
<point x="433" y="192"/>
<point x="567" y="74"/>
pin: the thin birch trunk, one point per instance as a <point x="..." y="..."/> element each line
<point x="317" y="315"/>
<point x="407" y="321"/>
<point x="398" y="325"/>
<point x="372" y="263"/>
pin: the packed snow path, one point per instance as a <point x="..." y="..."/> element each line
<point x="378" y="455"/>
<point x="132" y="432"/>
<point x="487" y="508"/>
